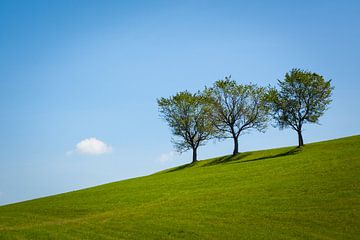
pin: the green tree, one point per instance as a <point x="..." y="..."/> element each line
<point x="303" y="98"/>
<point x="188" y="117"/>
<point x="237" y="108"/>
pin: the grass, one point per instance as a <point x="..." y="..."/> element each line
<point x="286" y="193"/>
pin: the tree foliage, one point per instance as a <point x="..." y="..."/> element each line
<point x="187" y="115"/>
<point x="303" y="97"/>
<point x="237" y="108"/>
<point x="228" y="109"/>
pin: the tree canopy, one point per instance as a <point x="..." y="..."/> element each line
<point x="303" y="98"/>
<point x="228" y="109"/>
<point x="187" y="115"/>
<point x="237" y="108"/>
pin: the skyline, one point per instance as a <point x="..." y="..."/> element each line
<point x="84" y="77"/>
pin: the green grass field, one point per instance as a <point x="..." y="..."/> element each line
<point x="285" y="193"/>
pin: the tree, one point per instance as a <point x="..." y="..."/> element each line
<point x="237" y="108"/>
<point x="188" y="117"/>
<point x="303" y="98"/>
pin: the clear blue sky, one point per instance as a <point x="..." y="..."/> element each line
<point x="72" y="70"/>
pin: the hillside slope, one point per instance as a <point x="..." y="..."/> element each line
<point x="282" y="193"/>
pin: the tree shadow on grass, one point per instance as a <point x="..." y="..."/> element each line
<point x="238" y="158"/>
<point x="181" y="167"/>
<point x="226" y="159"/>
<point x="292" y="151"/>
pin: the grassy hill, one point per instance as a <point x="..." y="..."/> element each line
<point x="285" y="193"/>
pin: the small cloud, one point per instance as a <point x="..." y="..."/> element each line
<point x="168" y="157"/>
<point x="91" y="146"/>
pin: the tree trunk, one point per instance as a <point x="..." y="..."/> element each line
<point x="194" y="158"/>
<point x="236" y="146"/>
<point x="301" y="141"/>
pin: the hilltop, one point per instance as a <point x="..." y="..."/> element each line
<point x="284" y="193"/>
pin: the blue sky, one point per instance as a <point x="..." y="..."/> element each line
<point x="76" y="70"/>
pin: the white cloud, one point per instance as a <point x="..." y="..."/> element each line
<point x="168" y="157"/>
<point x="91" y="146"/>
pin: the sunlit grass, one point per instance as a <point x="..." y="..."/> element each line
<point x="287" y="193"/>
